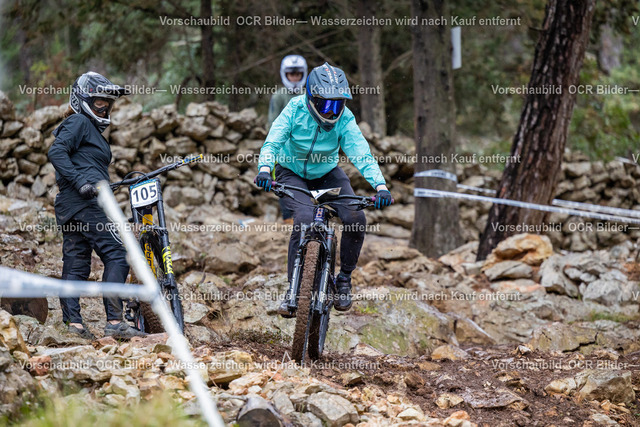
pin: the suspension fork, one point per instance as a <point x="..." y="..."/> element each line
<point x="320" y="305"/>
<point x="145" y="217"/>
<point x="164" y="239"/>
<point x="297" y="268"/>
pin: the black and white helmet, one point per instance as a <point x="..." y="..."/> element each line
<point x="293" y="64"/>
<point x="90" y="87"/>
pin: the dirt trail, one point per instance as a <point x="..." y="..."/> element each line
<point x="487" y="369"/>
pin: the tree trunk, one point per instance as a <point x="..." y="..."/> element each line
<point x="206" y="47"/>
<point x="539" y="143"/>
<point x="436" y="228"/>
<point x="370" y="67"/>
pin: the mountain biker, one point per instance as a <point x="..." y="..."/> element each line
<point x="305" y="140"/>
<point x="293" y="72"/>
<point x="81" y="157"/>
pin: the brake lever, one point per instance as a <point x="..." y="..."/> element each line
<point x="360" y="204"/>
<point x="281" y="192"/>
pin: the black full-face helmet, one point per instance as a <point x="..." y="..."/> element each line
<point x="327" y="93"/>
<point x="89" y="88"/>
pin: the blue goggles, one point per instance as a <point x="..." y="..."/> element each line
<point x="324" y="106"/>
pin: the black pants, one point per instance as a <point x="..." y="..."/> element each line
<point x="286" y="213"/>
<point x="85" y="232"/>
<point x="354" y="222"/>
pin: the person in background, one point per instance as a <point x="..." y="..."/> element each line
<point x="293" y="72"/>
<point x="81" y="158"/>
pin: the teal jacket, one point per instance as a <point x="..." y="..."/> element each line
<point x="297" y="143"/>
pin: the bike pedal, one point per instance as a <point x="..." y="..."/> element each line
<point x="287" y="315"/>
<point x="166" y="284"/>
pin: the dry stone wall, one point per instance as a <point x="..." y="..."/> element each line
<point x="231" y="142"/>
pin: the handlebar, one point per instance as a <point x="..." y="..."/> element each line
<point x="156" y="172"/>
<point x="360" y="201"/>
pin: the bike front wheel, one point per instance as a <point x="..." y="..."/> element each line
<point x="152" y="249"/>
<point x="318" y="328"/>
<point x="305" y="298"/>
<point x="319" y="324"/>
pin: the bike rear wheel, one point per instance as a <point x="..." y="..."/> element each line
<point x="152" y="249"/>
<point x="307" y="281"/>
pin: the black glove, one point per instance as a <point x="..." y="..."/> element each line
<point x="263" y="180"/>
<point x="383" y="198"/>
<point x="88" y="191"/>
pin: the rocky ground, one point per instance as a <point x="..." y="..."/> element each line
<point x="532" y="336"/>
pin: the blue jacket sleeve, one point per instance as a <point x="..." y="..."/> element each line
<point x="279" y="133"/>
<point x="356" y="147"/>
<point x="69" y="137"/>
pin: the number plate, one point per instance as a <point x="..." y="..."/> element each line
<point x="144" y="193"/>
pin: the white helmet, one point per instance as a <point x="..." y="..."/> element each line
<point x="293" y="64"/>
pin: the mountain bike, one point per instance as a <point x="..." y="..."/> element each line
<point x="145" y="193"/>
<point x="313" y="275"/>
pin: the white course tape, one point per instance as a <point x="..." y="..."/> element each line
<point x="425" y="192"/>
<point x="595" y="208"/>
<point x="569" y="204"/>
<point x="20" y="284"/>
<point x="437" y="173"/>
<point x="478" y="189"/>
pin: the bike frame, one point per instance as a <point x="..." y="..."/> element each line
<point x="319" y="230"/>
<point x="144" y="217"/>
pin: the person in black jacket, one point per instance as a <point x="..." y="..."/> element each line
<point x="81" y="158"/>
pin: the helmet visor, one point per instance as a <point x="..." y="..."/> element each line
<point x="101" y="106"/>
<point x="294" y="70"/>
<point x="325" y="106"/>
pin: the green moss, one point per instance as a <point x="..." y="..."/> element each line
<point x="403" y="325"/>
<point x="615" y="317"/>
<point x="419" y="314"/>
<point x="386" y="338"/>
<point x="368" y="309"/>
<point x="337" y="341"/>
<point x="72" y="411"/>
